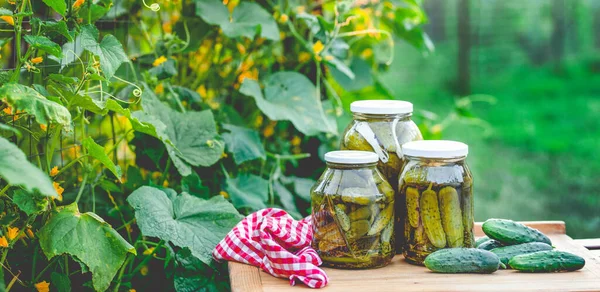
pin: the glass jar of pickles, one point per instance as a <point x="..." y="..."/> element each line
<point x="353" y="212"/>
<point x="437" y="188"/>
<point x="382" y="126"/>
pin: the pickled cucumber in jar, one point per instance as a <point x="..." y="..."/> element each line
<point x="382" y="126"/>
<point x="353" y="212"/>
<point x="437" y="188"/>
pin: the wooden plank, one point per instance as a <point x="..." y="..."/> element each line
<point x="401" y="276"/>
<point x="591" y="243"/>
<point x="547" y="227"/>
<point x="244" y="278"/>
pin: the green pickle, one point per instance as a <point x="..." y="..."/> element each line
<point x="353" y="226"/>
<point x="438" y="201"/>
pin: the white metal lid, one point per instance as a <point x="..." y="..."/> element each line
<point x="381" y="107"/>
<point x="435" y="149"/>
<point x="351" y="157"/>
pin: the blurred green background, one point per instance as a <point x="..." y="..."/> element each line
<point x="534" y="155"/>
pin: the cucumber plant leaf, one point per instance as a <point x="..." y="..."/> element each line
<point x="45" y="44"/>
<point x="109" y="50"/>
<point x="13" y="164"/>
<point x="287" y="199"/>
<point x="26" y="99"/>
<point x="248" y="191"/>
<point x="59" y="6"/>
<point x="89" y="239"/>
<point x="246" y="20"/>
<point x="191" y="138"/>
<point x="60" y="282"/>
<point x="184" y="220"/>
<point x="97" y="151"/>
<point x="50" y="27"/>
<point x="291" y="96"/>
<point x="244" y="143"/>
<point x="30" y="203"/>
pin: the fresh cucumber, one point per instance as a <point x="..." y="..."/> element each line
<point x="506" y="253"/>
<point x="481" y="240"/>
<point x="509" y="232"/>
<point x="462" y="260"/>
<point x="547" y="261"/>
<point x="490" y="244"/>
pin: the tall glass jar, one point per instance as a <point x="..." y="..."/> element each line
<point x="382" y="126"/>
<point x="353" y="212"/>
<point x="437" y="188"/>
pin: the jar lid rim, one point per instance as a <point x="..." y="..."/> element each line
<point x="381" y="107"/>
<point x="435" y="149"/>
<point x="351" y="157"/>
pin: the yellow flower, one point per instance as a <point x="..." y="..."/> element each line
<point x="8" y="19"/>
<point x="144" y="270"/>
<point x="12" y="233"/>
<point x="282" y="35"/>
<point x="156" y="174"/>
<point x="159" y="89"/>
<point x="259" y="121"/>
<point x="43" y="127"/>
<point x="269" y="131"/>
<point x="165" y="184"/>
<point x="284" y="18"/>
<point x="224" y="194"/>
<point x="30" y="233"/>
<point x="54" y="171"/>
<point x="241" y="48"/>
<point x="42" y="286"/>
<point x="367" y="53"/>
<point x="149" y="251"/>
<point x="296" y="141"/>
<point x="224" y="155"/>
<point x="59" y="190"/>
<point x="318" y="47"/>
<point x="252" y="74"/>
<point x="13" y="2"/>
<point x="159" y="61"/>
<point x="202" y="91"/>
<point x="3" y="242"/>
<point x="167" y="27"/>
<point x="37" y="60"/>
<point x="7" y="110"/>
<point x="78" y="4"/>
<point x="132" y="290"/>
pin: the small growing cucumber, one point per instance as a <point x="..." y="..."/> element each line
<point x="490" y="244"/>
<point x="547" y="261"/>
<point x="509" y="232"/>
<point x="462" y="260"/>
<point x="506" y="253"/>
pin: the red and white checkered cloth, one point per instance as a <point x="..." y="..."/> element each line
<point x="272" y="240"/>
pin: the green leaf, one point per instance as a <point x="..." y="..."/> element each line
<point x="291" y="96"/>
<point x="247" y="19"/>
<point x="191" y="138"/>
<point x="88" y="238"/>
<point x="45" y="44"/>
<point x="97" y="151"/>
<point x="302" y="187"/>
<point x="244" y="143"/>
<point x="362" y="79"/>
<point x="193" y="185"/>
<point x="248" y="191"/>
<point x="47" y="27"/>
<point x="60" y="282"/>
<point x="109" y="50"/>
<point x="165" y="70"/>
<point x="30" y="203"/>
<point x="63" y="79"/>
<point x="97" y="12"/>
<point x="191" y="274"/>
<point x="26" y="99"/>
<point x="4" y="11"/>
<point x="59" y="6"/>
<point x="13" y="166"/>
<point x="4" y="127"/>
<point x="184" y="220"/>
<point x="287" y="199"/>
<point x="187" y="94"/>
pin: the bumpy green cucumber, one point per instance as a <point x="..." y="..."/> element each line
<point x="490" y="244"/>
<point x="462" y="260"/>
<point x="510" y="232"/>
<point x="412" y="206"/>
<point x="547" y="261"/>
<point x="382" y="220"/>
<point x="452" y="216"/>
<point x="342" y="218"/>
<point x="481" y="240"/>
<point x="506" y="253"/>
<point x="430" y="215"/>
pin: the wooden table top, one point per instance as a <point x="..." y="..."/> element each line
<point x="401" y="276"/>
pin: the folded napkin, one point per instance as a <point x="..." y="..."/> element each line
<point x="272" y="240"/>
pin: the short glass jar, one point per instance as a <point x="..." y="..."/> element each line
<point x="353" y="212"/>
<point x="436" y="186"/>
<point x="382" y="126"/>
